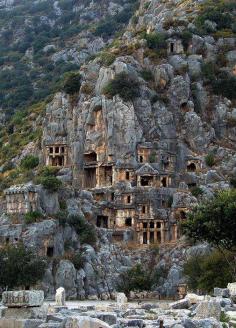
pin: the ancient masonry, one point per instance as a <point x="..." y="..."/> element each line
<point x="133" y="192"/>
<point x="133" y="177"/>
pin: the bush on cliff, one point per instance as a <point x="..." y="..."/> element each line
<point x="85" y="230"/>
<point x="156" y="41"/>
<point x="32" y="217"/>
<point x="210" y="160"/>
<point x="29" y="162"/>
<point x="47" y="177"/>
<point x="72" y="83"/>
<point x="20" y="267"/>
<point x="204" y="272"/>
<point x="135" y="279"/>
<point x="214" y="222"/>
<point x="52" y="184"/>
<point x="123" y="85"/>
<point x="225" y="86"/>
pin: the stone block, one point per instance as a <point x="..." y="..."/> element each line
<point x="23" y="298"/>
<point x="85" y="322"/>
<point x="26" y="313"/>
<point x="121" y="298"/>
<point x="110" y="318"/>
<point x="181" y="304"/>
<point x="20" y="323"/>
<point x="232" y="288"/>
<point x="194" y="298"/>
<point x="208" y="309"/>
<point x="51" y="325"/>
<point x="222" y="292"/>
<point x="136" y="323"/>
<point x="60" y="296"/>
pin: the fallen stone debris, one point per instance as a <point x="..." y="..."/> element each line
<point x="26" y="309"/>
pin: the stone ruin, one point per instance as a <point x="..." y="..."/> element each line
<point x="23" y="308"/>
<point x="21" y="199"/>
<point x="56" y="155"/>
<point x="60" y="296"/>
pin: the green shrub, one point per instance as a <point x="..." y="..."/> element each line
<point x="186" y="37"/>
<point x="20" y="267"/>
<point x="208" y="271"/>
<point x="156" y="41"/>
<point x="147" y="75"/>
<point x="124" y="85"/>
<point x="225" y="86"/>
<point x="86" y="231"/>
<point x="61" y="216"/>
<point x="224" y="318"/>
<point x="32" y="217"/>
<point x="72" y="83"/>
<point x="135" y="279"/>
<point x="48" y="171"/>
<point x="196" y="191"/>
<point x="219" y="12"/>
<point x="62" y="204"/>
<point x="87" y="88"/>
<point x="78" y="261"/>
<point x="210" y="160"/>
<point x="209" y="71"/>
<point x="29" y="162"/>
<point x="51" y="183"/>
<point x="47" y="177"/>
<point x="107" y="58"/>
<point x="233" y="181"/>
<point x="146" y="5"/>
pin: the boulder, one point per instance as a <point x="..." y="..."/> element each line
<point x="194" y="298"/>
<point x="33" y="312"/>
<point x="203" y="323"/>
<point x="20" y="323"/>
<point x="85" y="322"/>
<point x="232" y="288"/>
<point x="181" y="304"/>
<point x="121" y="298"/>
<point x="222" y="292"/>
<point x="208" y="309"/>
<point x="23" y="298"/>
<point x="108" y="317"/>
<point x="60" y="296"/>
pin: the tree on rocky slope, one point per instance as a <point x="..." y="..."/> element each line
<point x="19" y="267"/>
<point x="214" y="221"/>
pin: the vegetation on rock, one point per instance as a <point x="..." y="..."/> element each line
<point x="210" y="160"/>
<point x="204" y="272"/>
<point x="29" y="162"/>
<point x="86" y="231"/>
<point x="123" y="85"/>
<point x="32" y="217"/>
<point x="214" y="222"/>
<point x="135" y="279"/>
<point x="20" y="267"/>
<point x="72" y="84"/>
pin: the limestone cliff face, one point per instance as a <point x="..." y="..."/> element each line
<point x="134" y="168"/>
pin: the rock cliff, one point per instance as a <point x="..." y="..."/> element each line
<point x="148" y="133"/>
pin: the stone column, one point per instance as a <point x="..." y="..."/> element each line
<point x="155" y="233"/>
<point x="141" y="238"/>
<point x="98" y="180"/>
<point x="175" y="232"/>
<point x="162" y="232"/>
<point x="148" y="233"/>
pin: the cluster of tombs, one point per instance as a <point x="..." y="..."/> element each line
<point x="133" y="200"/>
